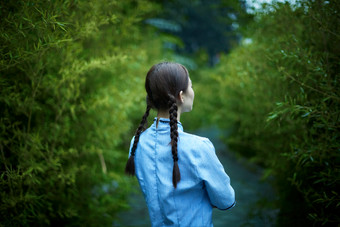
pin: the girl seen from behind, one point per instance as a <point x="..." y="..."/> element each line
<point x="180" y="176"/>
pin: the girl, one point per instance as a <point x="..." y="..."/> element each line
<point x="179" y="173"/>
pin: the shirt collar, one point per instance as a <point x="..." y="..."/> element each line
<point x="164" y="123"/>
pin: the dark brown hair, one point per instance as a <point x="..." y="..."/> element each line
<point x="163" y="83"/>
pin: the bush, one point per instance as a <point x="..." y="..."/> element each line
<point x="71" y="77"/>
<point x="280" y="96"/>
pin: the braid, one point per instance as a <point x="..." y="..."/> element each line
<point x="130" y="165"/>
<point x="176" y="175"/>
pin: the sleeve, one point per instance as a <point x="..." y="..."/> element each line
<point x="215" y="179"/>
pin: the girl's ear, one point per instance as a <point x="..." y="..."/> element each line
<point x="180" y="97"/>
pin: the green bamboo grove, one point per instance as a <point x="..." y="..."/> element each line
<point x="71" y="83"/>
<point x="71" y="94"/>
<point x="279" y="93"/>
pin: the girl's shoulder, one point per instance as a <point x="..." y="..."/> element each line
<point x="195" y="140"/>
<point x="193" y="136"/>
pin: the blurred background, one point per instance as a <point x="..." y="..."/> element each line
<point x="266" y="81"/>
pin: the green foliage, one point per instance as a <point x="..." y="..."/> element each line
<point x="72" y="75"/>
<point x="280" y="96"/>
<point x="71" y="94"/>
<point x="212" y="26"/>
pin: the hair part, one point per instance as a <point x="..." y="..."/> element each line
<point x="176" y="175"/>
<point x="130" y="165"/>
<point x="163" y="83"/>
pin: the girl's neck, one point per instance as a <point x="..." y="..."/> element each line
<point x="165" y="114"/>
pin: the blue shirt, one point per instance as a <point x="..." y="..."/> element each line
<point x="203" y="183"/>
